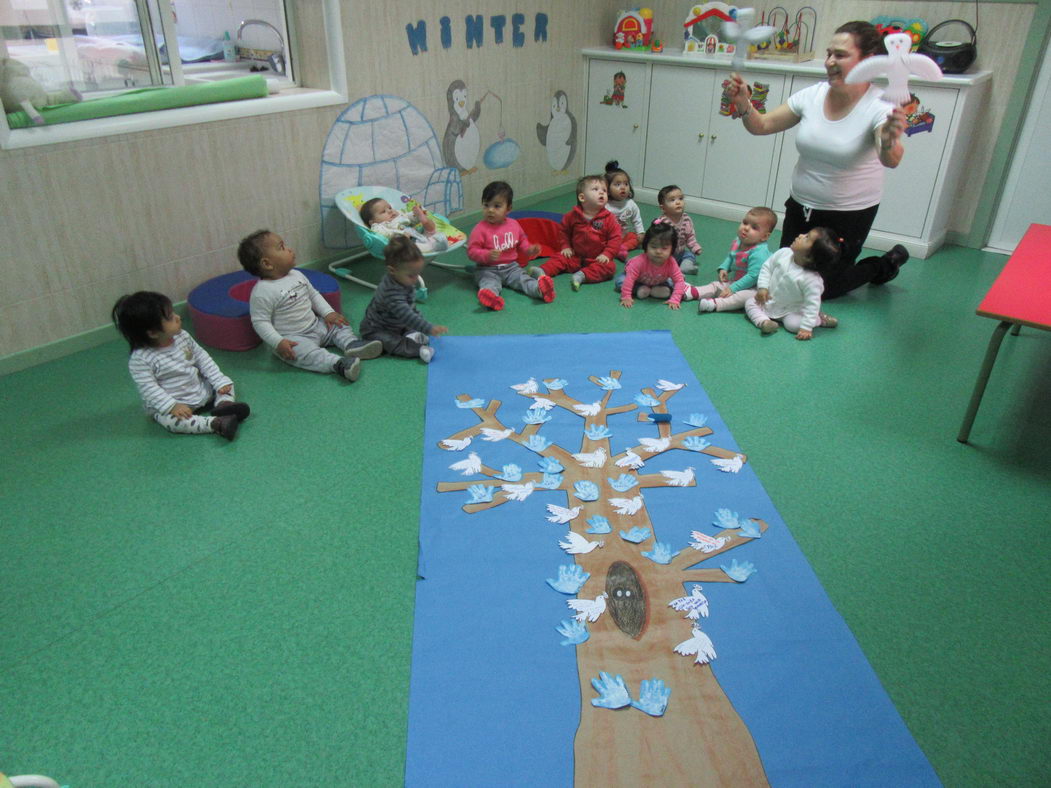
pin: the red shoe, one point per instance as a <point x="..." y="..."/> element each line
<point x="547" y="288"/>
<point x="488" y="298"/>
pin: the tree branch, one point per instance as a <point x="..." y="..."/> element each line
<point x="689" y="556"/>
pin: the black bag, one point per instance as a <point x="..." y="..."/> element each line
<point x="954" y="57"/>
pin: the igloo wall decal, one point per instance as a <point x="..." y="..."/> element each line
<point x="383" y="141"/>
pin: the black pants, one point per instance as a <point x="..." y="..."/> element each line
<point x="853" y="227"/>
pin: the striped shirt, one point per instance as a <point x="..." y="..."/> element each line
<point x="180" y="374"/>
<point x="393" y="309"/>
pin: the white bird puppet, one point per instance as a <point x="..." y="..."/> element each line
<point x="626" y="505"/>
<point x="591" y="459"/>
<point x="517" y="492"/>
<point x="452" y="444"/>
<point x="560" y="514"/>
<point x="896" y="66"/>
<point x="630" y="460"/>
<point x="745" y="33"/>
<point x="732" y="465"/>
<point x="667" y="385"/>
<point x="587" y="609"/>
<point x="529" y="387"/>
<point x="473" y="464"/>
<point x="491" y="435"/>
<point x="654" y="445"/>
<point x="700" y="644"/>
<point x="576" y="544"/>
<point x="694" y="606"/>
<point x="678" y="478"/>
<point x="588" y="410"/>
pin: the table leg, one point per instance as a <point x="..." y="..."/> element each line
<point x="983" y="379"/>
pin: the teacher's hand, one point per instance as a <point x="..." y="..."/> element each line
<point x="739" y="92"/>
<point x="892" y="129"/>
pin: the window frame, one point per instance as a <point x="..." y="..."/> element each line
<point x="286" y="100"/>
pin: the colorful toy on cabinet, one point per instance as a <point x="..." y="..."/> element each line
<point x="634" y="30"/>
<point x="915" y="28"/>
<point x="793" y="41"/>
<point x="19" y="91"/>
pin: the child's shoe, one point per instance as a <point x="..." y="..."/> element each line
<point x="535" y="271"/>
<point x="547" y="288"/>
<point x="705" y="305"/>
<point x="226" y="426"/>
<point x="349" y="368"/>
<point x="364" y="349"/>
<point x="238" y="409"/>
<point x="489" y="299"/>
<point x="827" y="321"/>
<point x="688" y="266"/>
<point x="769" y="327"/>
<point x="691" y="293"/>
<point x="578" y="280"/>
<point x="426" y="354"/>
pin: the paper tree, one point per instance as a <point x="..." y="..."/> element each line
<point x="700" y="733"/>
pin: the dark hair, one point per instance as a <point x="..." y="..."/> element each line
<point x="612" y="171"/>
<point x="661" y="232"/>
<point x="367" y="210"/>
<point x="664" y="193"/>
<point x="401" y="249"/>
<point x="496" y="189"/>
<point x="765" y="214"/>
<point x="583" y="182"/>
<point x="250" y="251"/>
<point x="866" y="37"/>
<point x="825" y="251"/>
<point x="138" y="314"/>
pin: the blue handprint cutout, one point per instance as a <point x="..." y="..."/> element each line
<point x="647" y="401"/>
<point x="586" y="491"/>
<point x="608" y="383"/>
<point x="661" y="553"/>
<point x="536" y="416"/>
<point x="653" y="697"/>
<point x="695" y="443"/>
<point x="551" y="481"/>
<point x="738" y="571"/>
<point x="636" y="535"/>
<point x="571" y="578"/>
<point x="510" y="473"/>
<point x="480" y="493"/>
<point x="549" y="464"/>
<point x="623" y="483"/>
<point x="597" y="432"/>
<point x="538" y="443"/>
<point x="556" y="384"/>
<point x="471" y="403"/>
<point x="612" y="692"/>
<point x="750" y="528"/>
<point x="598" y="525"/>
<point x="696" y="419"/>
<point x="726" y="519"/>
<point x="573" y="631"/>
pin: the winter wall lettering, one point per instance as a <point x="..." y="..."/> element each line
<point x="474" y="28"/>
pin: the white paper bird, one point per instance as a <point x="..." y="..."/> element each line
<point x="744" y="34"/>
<point x="588" y="410"/>
<point x="560" y="514"/>
<point x="576" y="544"/>
<point x="700" y="644"/>
<point x="679" y="478"/>
<point x="694" y="606"/>
<point x="451" y="444"/>
<point x="626" y="505"/>
<point x="517" y="492"/>
<point x="591" y="459"/>
<point x="543" y="403"/>
<point x="707" y="544"/>
<point x="667" y="385"/>
<point x="588" y="610"/>
<point x="529" y="387"/>
<point x="491" y="435"/>
<point x="473" y="464"/>
<point x="654" y="445"/>
<point x="733" y="465"/>
<point x="896" y="66"/>
<point x="630" y="460"/>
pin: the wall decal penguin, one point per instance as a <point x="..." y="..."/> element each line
<point x="462" y="140"/>
<point x="559" y="135"/>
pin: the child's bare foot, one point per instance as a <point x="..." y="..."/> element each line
<point x="705" y="305"/>
<point x="488" y="298"/>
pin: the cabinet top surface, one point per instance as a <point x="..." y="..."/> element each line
<point x="808" y="68"/>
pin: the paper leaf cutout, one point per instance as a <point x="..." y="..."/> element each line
<point x="739" y="571"/>
<point x="653" y="697"/>
<point x="647" y="401"/>
<point x="696" y="419"/>
<point x="551" y="481"/>
<point x="695" y="443"/>
<point x="750" y="528"/>
<point x="612" y="692"/>
<point x="608" y="383"/>
<point x="480" y="493"/>
<point x="573" y="631"/>
<point x="556" y="384"/>
<point x="635" y="535"/>
<point x="661" y="553"/>
<point x="471" y="403"/>
<point x="586" y="491"/>
<point x="623" y="483"/>
<point x="536" y="416"/>
<point x="510" y="473"/>
<point x="598" y="525"/>
<point x="550" y="465"/>
<point x="597" y="432"/>
<point x="571" y="578"/>
<point x="726" y="519"/>
<point x="537" y="442"/>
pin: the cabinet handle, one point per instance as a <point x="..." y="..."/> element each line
<point x="635" y="127"/>
<point x="700" y="136"/>
<point x="714" y="136"/>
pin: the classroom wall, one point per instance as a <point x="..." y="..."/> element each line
<point x="84" y="222"/>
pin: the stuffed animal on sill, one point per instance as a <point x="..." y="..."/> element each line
<point x="20" y="91"/>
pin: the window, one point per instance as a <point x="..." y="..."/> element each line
<point x="99" y="48"/>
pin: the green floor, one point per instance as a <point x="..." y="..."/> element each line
<point x="183" y="611"/>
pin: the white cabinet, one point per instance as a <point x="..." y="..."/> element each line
<point x="671" y="132"/>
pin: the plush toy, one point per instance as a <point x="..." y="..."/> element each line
<point x="20" y="91"/>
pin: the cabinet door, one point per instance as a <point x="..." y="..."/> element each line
<point x="677" y="138"/>
<point x="739" y="166"/>
<point x="616" y="126"/>
<point x="908" y="190"/>
<point x="789" y="155"/>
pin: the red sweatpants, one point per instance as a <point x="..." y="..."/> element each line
<point x="593" y="271"/>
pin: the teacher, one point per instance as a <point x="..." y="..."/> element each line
<point x="847" y="136"/>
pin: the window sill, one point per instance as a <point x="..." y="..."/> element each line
<point x="285" y="101"/>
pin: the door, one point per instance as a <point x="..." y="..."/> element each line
<point x="677" y="138"/>
<point x="616" y="115"/>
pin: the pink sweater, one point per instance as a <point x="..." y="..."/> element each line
<point x="508" y="237"/>
<point x="641" y="271"/>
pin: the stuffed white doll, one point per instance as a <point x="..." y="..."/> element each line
<point x="20" y="91"/>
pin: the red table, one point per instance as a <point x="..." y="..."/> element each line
<point x="1020" y="296"/>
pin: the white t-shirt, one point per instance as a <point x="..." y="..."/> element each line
<point x="839" y="167"/>
<point x="289" y="306"/>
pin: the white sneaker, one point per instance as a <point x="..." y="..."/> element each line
<point x="349" y="368"/>
<point x="426" y="354"/>
<point x="363" y="348"/>
<point x="705" y="305"/>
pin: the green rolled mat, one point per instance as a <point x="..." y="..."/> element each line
<point x="147" y="100"/>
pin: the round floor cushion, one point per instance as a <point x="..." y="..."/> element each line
<point x="219" y="307"/>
